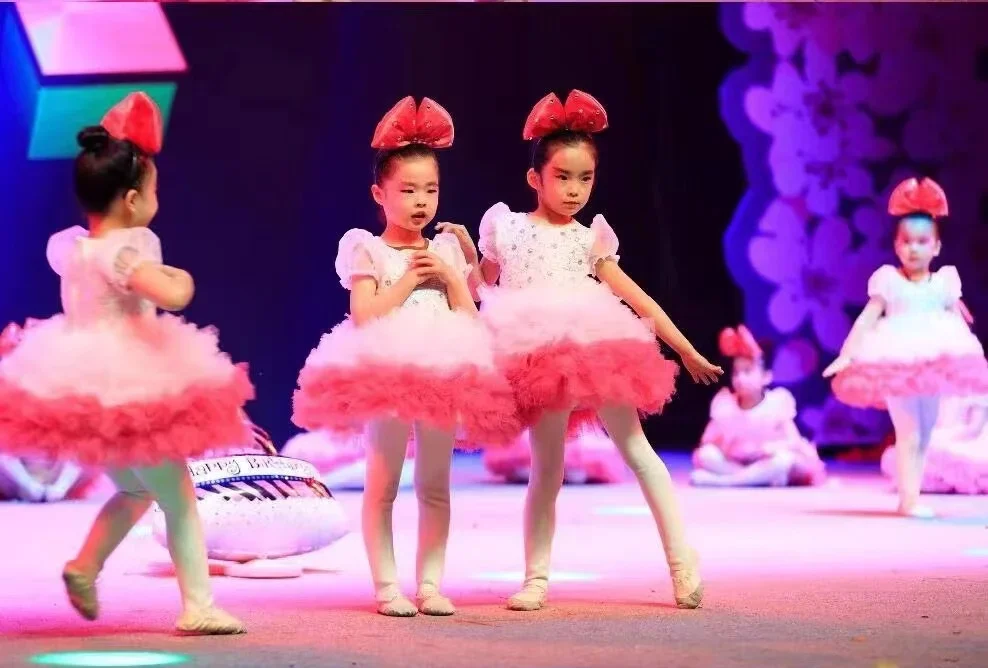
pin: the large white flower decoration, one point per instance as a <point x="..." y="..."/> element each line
<point x="822" y="137"/>
<point x="833" y="27"/>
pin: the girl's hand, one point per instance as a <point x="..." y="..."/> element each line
<point x="425" y="265"/>
<point x="838" y="365"/>
<point x="466" y="242"/>
<point x="700" y="369"/>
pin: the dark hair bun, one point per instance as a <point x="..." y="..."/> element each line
<point x="94" y="138"/>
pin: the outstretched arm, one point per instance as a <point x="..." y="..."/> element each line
<point x="865" y="321"/>
<point x="625" y="287"/>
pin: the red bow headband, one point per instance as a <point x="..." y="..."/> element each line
<point x="405" y="124"/>
<point x="739" y="343"/>
<point x="581" y="113"/>
<point x="912" y="196"/>
<point x="136" y="118"/>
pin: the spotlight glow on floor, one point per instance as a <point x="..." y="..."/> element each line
<point x="518" y="576"/>
<point x="622" y="510"/>
<point x="109" y="659"/>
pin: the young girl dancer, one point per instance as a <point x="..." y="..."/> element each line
<point x="921" y="349"/>
<point x="412" y="353"/>
<point x="110" y="382"/>
<point x="567" y="343"/>
<point x="752" y="439"/>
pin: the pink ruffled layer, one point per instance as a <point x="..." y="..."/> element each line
<point x="344" y="399"/>
<point x="589" y="376"/>
<point x="955" y="468"/>
<point x="867" y="384"/>
<point x="178" y="427"/>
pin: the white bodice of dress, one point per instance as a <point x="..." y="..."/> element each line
<point x="363" y="254"/>
<point x="94" y="273"/>
<point x="905" y="298"/>
<point x="531" y="251"/>
<point x="430" y="296"/>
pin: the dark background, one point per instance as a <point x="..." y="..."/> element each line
<point x="267" y="161"/>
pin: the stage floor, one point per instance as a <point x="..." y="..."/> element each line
<point x="795" y="577"/>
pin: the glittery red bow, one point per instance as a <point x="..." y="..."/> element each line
<point x="581" y="113"/>
<point x="739" y="343"/>
<point x="406" y="124"/>
<point x="138" y="119"/>
<point x="912" y="196"/>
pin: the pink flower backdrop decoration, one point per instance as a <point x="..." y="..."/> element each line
<point x="836" y="104"/>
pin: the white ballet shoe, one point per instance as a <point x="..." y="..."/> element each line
<point x="392" y="603"/>
<point x="917" y="511"/>
<point x="431" y="602"/>
<point x="81" y="589"/>
<point x="687" y="585"/>
<point x="531" y="597"/>
<point x="210" y="622"/>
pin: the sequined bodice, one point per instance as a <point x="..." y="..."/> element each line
<point x="533" y="252"/>
<point x="431" y="295"/>
<point x="907" y="298"/>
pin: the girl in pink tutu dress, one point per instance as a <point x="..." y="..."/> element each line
<point x="752" y="438"/>
<point x="41" y="479"/>
<point x="111" y="382"/>
<point x="911" y="345"/>
<point x="412" y="353"/>
<point x="569" y="346"/>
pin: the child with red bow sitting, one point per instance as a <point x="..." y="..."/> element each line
<point x="752" y="439"/>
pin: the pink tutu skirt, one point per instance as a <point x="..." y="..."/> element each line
<point x="120" y="392"/>
<point x="415" y="365"/>
<point x="576" y="346"/>
<point x="924" y="354"/>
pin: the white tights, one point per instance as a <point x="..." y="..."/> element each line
<point x="548" y="439"/>
<point x="385" y="456"/>
<point x="170" y="485"/>
<point x="913" y="419"/>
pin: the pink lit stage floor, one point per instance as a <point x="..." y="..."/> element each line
<point x="818" y="577"/>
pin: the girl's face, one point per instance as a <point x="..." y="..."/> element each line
<point x="916" y="243"/>
<point x="410" y="194"/>
<point x="749" y="378"/>
<point x="141" y="204"/>
<point x="566" y="179"/>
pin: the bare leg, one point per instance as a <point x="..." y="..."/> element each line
<point x="171" y="486"/>
<point x="548" y="440"/>
<point x="434" y="455"/>
<point x="115" y="520"/>
<point x="386" y="447"/>
<point x="625" y="429"/>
